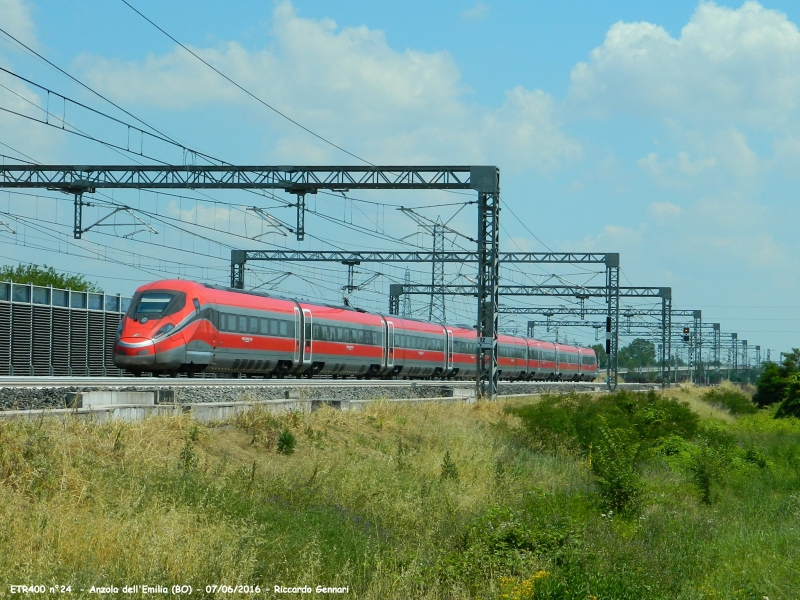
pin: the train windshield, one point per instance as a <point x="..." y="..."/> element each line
<point x="154" y="304"/>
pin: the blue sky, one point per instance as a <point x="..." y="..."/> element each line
<point x="668" y="132"/>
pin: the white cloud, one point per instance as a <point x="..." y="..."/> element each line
<point x="478" y="12"/>
<point x="15" y="18"/>
<point x="350" y="86"/>
<point x="23" y="138"/>
<point x="650" y="164"/>
<point x="741" y="64"/>
<point x="613" y="238"/>
<point x="665" y="211"/>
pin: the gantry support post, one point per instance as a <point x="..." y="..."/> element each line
<point x="351" y="265"/>
<point x="745" y="360"/>
<point x="406" y="310"/>
<point x="735" y="348"/>
<point x="238" y="258"/>
<point x="77" y="228"/>
<point x="666" y="335"/>
<point x="612" y="320"/>
<point x="487" y="182"/>
<point x="300" y="191"/>
<point x="531" y="327"/>
<point x="78" y="188"/>
<point x="698" y="345"/>
<point x="395" y="291"/>
<point x="436" y="309"/>
<point x="300" y="232"/>
<point x="717" y="346"/>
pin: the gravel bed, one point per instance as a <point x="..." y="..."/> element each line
<point x="26" y="398"/>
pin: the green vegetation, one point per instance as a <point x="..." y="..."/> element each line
<point x="45" y="276"/>
<point x="780" y="384"/>
<point x="639" y="353"/>
<point x="625" y="496"/>
<point x="731" y="399"/>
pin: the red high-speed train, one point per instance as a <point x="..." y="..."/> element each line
<point x="177" y="326"/>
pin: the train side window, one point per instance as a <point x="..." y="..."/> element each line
<point x="253" y="321"/>
<point x="264" y="326"/>
<point x="242" y="324"/>
<point x="223" y="322"/>
<point x="283" y="329"/>
<point x="273" y="327"/>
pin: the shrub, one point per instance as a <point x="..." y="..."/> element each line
<point x="790" y="406"/>
<point x="771" y="386"/>
<point x="188" y="458"/>
<point x="613" y="465"/>
<point x="286" y="442"/>
<point x="570" y="420"/>
<point x="449" y="469"/>
<point x="732" y="400"/>
<point x="707" y="467"/>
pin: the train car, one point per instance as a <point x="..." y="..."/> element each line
<point x="177" y="326"/>
<point x="421" y="348"/>
<point x="542" y="361"/>
<point x="568" y="358"/>
<point x="512" y="357"/>
<point x="589" y="367"/>
<point x="464" y="347"/>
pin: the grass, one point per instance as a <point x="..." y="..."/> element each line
<point x="503" y="500"/>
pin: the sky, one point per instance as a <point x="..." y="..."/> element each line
<point x="667" y="132"/>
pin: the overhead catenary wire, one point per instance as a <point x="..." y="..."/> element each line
<point x="93" y="91"/>
<point x="243" y="89"/>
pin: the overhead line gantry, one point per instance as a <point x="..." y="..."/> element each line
<point x="300" y="181"/>
<point x="239" y="258"/>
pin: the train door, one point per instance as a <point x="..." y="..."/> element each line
<point x="557" y="355"/>
<point x="298" y="334"/>
<point x="580" y="365"/>
<point x="389" y="345"/>
<point x="307" y="337"/>
<point x="448" y="350"/>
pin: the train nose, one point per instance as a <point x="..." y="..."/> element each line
<point x="135" y="352"/>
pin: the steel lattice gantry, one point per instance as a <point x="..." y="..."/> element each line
<point x="485" y="180"/>
<point x="678" y="322"/>
<point x="665" y="294"/>
<point x="611" y="260"/>
<point x="666" y="313"/>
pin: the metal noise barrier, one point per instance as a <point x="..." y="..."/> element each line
<point x="49" y="331"/>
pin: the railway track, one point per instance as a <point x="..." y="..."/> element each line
<point x="185" y="382"/>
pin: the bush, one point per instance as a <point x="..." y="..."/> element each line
<point x="732" y="400"/>
<point x="772" y="385"/>
<point x="613" y="464"/>
<point x="449" y="469"/>
<point x="571" y="420"/>
<point x="286" y="442"/>
<point x="790" y="406"/>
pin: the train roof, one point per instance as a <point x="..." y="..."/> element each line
<point x="223" y="288"/>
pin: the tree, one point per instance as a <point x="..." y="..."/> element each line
<point x="45" y="276"/>
<point x="781" y="384"/>
<point x="790" y="406"/>
<point x="639" y="353"/>
<point x="602" y="357"/>
<point x="771" y="386"/>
